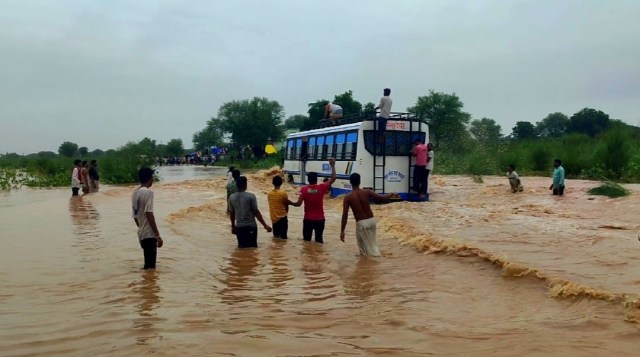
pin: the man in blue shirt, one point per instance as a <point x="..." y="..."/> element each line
<point x="558" y="178"/>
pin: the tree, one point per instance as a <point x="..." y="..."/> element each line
<point x="554" y="125"/>
<point x="252" y="121"/>
<point x="485" y="130"/>
<point x="175" y="147"/>
<point x="369" y="109"/>
<point x="588" y="121"/>
<point x="316" y="113"/>
<point x="296" y="121"/>
<point x="447" y="122"/>
<point x="524" y="130"/>
<point x="209" y="136"/>
<point x="146" y="147"/>
<point x="68" y="149"/>
<point x="83" y="151"/>
<point x="97" y="152"/>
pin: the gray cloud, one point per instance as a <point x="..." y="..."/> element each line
<point x="103" y="73"/>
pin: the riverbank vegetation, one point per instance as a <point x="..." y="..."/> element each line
<point x="590" y="144"/>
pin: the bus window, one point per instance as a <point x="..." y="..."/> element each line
<point x="328" y="143"/>
<point x="352" y="146"/>
<point x="397" y="143"/>
<point x="298" y="148"/>
<point x="290" y="149"/>
<point x="312" y="148"/>
<point x="320" y="148"/>
<point x="340" y="144"/>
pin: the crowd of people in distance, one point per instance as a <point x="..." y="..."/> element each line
<point x="85" y="176"/>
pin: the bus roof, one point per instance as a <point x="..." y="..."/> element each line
<point x="329" y="129"/>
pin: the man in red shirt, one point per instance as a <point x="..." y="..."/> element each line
<point x="420" y="174"/>
<point x="313" y="197"/>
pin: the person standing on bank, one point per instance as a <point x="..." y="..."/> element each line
<point x="76" y="181"/>
<point x="420" y="175"/>
<point x="313" y="197"/>
<point x="243" y="211"/>
<point x="142" y="205"/>
<point x="558" y="178"/>
<point x="358" y="201"/>
<point x="385" y="113"/>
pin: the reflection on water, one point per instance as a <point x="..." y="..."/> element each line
<point x="87" y="235"/>
<point x="147" y="293"/>
<point x="362" y="282"/>
<point x="242" y="268"/>
<point x="280" y="272"/>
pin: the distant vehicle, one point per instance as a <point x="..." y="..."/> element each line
<point x="385" y="166"/>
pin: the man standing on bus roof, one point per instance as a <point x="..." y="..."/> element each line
<point x="313" y="197"/>
<point x="385" y="113"/>
<point x="333" y="112"/>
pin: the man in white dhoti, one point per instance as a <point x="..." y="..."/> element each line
<point x="358" y="201"/>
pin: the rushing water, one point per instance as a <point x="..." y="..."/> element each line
<point x="508" y="275"/>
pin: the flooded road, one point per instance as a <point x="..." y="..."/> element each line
<point x="476" y="272"/>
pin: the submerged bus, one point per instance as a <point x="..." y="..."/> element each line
<point x="385" y="164"/>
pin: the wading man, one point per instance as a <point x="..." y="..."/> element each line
<point x="142" y="205"/>
<point x="358" y="201"/>
<point x="243" y="211"/>
<point x="313" y="197"/>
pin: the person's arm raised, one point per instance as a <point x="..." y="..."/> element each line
<point x="332" y="162"/>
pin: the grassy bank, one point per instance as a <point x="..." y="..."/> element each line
<point x="50" y="170"/>
<point x="613" y="156"/>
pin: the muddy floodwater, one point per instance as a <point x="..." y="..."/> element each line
<point x="478" y="271"/>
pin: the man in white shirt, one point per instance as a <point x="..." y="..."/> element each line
<point x="76" y="182"/>
<point x="333" y="111"/>
<point x="514" y="179"/>
<point x="385" y="113"/>
<point x="142" y="205"/>
<point x="430" y="156"/>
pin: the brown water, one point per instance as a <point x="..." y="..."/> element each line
<point x="508" y="275"/>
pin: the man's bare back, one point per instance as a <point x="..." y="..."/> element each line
<point x="358" y="201"/>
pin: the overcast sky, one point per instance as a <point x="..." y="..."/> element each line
<point x="102" y="73"/>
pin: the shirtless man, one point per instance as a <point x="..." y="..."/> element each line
<point x="358" y="201"/>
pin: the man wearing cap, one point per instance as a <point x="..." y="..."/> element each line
<point x="313" y="197"/>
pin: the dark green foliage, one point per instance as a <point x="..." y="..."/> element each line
<point x="210" y="136"/>
<point x="68" y="149"/>
<point x="485" y="130"/>
<point x="609" y="189"/>
<point x="447" y="121"/>
<point x="252" y="121"/>
<point x="616" y="152"/>
<point x="296" y="122"/>
<point x="524" y="130"/>
<point x="554" y="125"/>
<point x="174" y="148"/>
<point x="588" y="121"/>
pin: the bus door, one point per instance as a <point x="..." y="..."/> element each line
<point x="304" y="155"/>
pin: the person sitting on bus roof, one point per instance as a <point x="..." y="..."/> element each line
<point x="333" y="112"/>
